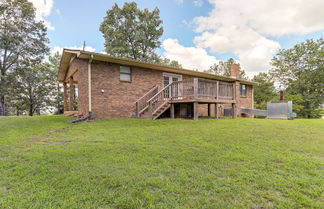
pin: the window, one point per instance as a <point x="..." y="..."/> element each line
<point x="125" y="73"/>
<point x="243" y="90"/>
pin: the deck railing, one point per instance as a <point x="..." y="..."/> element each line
<point x="198" y="88"/>
<point x="194" y="88"/>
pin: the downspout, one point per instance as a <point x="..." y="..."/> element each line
<point x="89" y="85"/>
<point x="89" y="93"/>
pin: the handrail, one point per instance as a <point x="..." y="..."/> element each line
<point x="154" y="87"/>
<point x="159" y="92"/>
<point x="154" y="101"/>
<point x="141" y="104"/>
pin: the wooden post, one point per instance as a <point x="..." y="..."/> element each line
<point x="217" y="90"/>
<point x="209" y="110"/>
<point x="234" y="90"/>
<point x="172" y="110"/>
<point x="216" y="110"/>
<point x="65" y="97"/>
<point x="137" y="110"/>
<point x="195" y="88"/>
<point x="150" y="111"/>
<point x="195" y="106"/>
<point x="71" y="95"/>
<point x="234" y="112"/>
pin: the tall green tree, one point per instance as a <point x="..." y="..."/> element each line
<point x="21" y="38"/>
<point x="265" y="91"/>
<point x="132" y="33"/>
<point x="300" y="71"/>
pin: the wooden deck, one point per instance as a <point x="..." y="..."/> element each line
<point x="196" y="91"/>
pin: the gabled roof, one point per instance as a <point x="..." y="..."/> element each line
<point x="69" y="54"/>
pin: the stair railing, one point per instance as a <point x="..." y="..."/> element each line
<point x="142" y="103"/>
<point x="164" y="94"/>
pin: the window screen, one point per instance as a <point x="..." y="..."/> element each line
<point x="125" y="73"/>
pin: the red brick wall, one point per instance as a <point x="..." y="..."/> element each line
<point x="119" y="97"/>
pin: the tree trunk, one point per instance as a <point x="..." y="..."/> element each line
<point x="2" y="103"/>
<point x="31" y="109"/>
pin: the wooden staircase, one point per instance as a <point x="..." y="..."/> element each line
<point x="160" y="110"/>
<point x="153" y="104"/>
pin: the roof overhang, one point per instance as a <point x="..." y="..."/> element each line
<point x="66" y="59"/>
<point x="68" y="56"/>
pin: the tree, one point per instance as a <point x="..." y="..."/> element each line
<point x="300" y="71"/>
<point x="21" y="38"/>
<point x="34" y="86"/>
<point x="54" y="62"/>
<point x="264" y="91"/>
<point x="132" y="33"/>
<point x="224" y="69"/>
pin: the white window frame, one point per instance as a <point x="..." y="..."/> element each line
<point x="130" y="73"/>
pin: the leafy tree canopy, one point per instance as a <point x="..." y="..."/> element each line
<point x="132" y="33"/>
<point x="21" y="38"/>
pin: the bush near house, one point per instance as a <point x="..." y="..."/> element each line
<point x="47" y="162"/>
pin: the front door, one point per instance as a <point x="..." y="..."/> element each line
<point x="167" y="79"/>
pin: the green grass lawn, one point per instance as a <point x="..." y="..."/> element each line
<point x="47" y="162"/>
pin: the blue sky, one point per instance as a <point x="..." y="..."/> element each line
<point x="197" y="33"/>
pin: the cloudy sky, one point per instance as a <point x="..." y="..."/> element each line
<point x="197" y="33"/>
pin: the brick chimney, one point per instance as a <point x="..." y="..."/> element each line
<point x="235" y="71"/>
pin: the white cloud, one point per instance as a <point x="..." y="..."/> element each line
<point x="43" y="9"/>
<point x="198" y="3"/>
<point x="253" y="50"/>
<point x="189" y="57"/>
<point x="244" y="27"/>
<point x="60" y="49"/>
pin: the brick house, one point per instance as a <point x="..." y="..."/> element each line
<point x="106" y="86"/>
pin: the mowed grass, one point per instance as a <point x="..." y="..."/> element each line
<point x="47" y="162"/>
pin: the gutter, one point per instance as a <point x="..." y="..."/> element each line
<point x="89" y="94"/>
